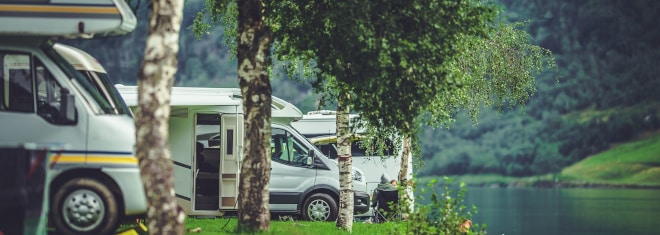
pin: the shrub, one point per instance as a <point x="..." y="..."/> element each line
<point x="444" y="214"/>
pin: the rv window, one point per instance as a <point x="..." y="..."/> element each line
<point x="17" y="82"/>
<point x="286" y="149"/>
<point x="207" y="142"/>
<point x="22" y="76"/>
<point x="48" y="94"/>
<point x="230" y="142"/>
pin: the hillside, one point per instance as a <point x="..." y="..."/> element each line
<point x="632" y="163"/>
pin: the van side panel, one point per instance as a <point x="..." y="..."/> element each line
<point x="23" y="127"/>
<point x="104" y="132"/>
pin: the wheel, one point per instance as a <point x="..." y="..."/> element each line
<point x="84" y="206"/>
<point x="320" y="207"/>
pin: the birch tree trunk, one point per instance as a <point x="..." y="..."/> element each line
<point x="154" y="87"/>
<point x="253" y="47"/>
<point x="405" y="178"/>
<point x="405" y="157"/>
<point x="345" y="219"/>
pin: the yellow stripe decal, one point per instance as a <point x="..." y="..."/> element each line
<point x="66" y="159"/>
<point x="93" y="159"/>
<point x="60" y="9"/>
<point x="113" y="160"/>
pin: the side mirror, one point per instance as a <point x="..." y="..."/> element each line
<point x="67" y="112"/>
<point x="310" y="158"/>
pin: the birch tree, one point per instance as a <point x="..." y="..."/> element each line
<point x="254" y="42"/>
<point x="154" y="88"/>
<point x="345" y="160"/>
<point x="244" y="20"/>
<point x="244" y="25"/>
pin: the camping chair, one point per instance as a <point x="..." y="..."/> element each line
<point x="387" y="206"/>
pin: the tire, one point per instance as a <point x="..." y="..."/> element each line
<point x="320" y="207"/>
<point x="84" y="206"/>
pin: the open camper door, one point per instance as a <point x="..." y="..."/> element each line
<point x="230" y="159"/>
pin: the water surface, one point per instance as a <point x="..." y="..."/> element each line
<point x="579" y="211"/>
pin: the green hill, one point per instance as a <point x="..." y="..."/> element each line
<point x="632" y="163"/>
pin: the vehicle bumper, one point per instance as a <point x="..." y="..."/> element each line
<point x="360" y="202"/>
<point x="132" y="191"/>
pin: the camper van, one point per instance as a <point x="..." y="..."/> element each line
<point x="320" y="128"/>
<point x="94" y="177"/>
<point x="206" y="141"/>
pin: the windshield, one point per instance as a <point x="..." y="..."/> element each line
<point x="102" y="104"/>
<point x="103" y="85"/>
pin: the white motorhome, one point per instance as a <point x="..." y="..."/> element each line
<point x="95" y="181"/>
<point x="206" y="141"/>
<point x="320" y="128"/>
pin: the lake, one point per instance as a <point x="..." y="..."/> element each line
<point x="566" y="211"/>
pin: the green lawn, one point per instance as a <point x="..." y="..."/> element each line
<point x="228" y="226"/>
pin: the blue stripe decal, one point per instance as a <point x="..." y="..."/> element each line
<point x="93" y="166"/>
<point x="92" y="152"/>
<point x="62" y="15"/>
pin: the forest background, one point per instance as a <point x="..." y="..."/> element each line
<point x="604" y="93"/>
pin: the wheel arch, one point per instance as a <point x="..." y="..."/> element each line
<point x="95" y="174"/>
<point x="319" y="189"/>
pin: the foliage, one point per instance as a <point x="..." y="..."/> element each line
<point x="445" y="214"/>
<point x="372" y="47"/>
<point x="497" y="70"/>
<point x="606" y="53"/>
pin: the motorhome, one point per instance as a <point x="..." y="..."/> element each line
<point x="206" y="140"/>
<point x="320" y="128"/>
<point x="95" y="180"/>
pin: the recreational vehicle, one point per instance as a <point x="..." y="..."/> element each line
<point x="320" y="128"/>
<point x="95" y="181"/>
<point x="206" y="141"/>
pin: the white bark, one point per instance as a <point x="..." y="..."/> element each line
<point x="154" y="88"/>
<point x="346" y="207"/>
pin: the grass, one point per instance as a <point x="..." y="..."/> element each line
<point x="634" y="163"/>
<point x="228" y="226"/>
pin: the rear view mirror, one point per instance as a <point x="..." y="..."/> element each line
<point x="67" y="112"/>
<point x="310" y="158"/>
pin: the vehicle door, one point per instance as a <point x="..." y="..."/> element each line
<point x="291" y="173"/>
<point x="30" y="101"/>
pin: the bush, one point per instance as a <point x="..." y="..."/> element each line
<point x="444" y="214"/>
